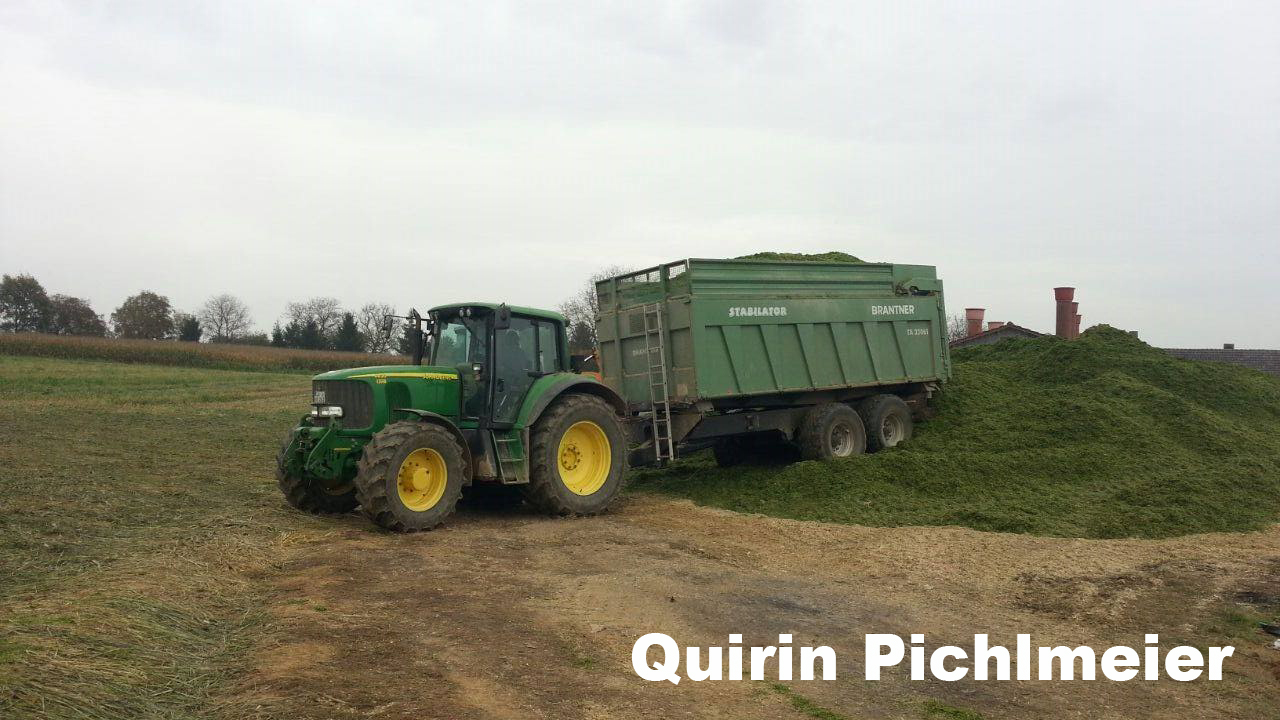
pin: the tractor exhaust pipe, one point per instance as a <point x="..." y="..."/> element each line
<point x="415" y="330"/>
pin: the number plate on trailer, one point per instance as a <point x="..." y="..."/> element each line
<point x="317" y="397"/>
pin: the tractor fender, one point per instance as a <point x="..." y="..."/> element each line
<point x="447" y="424"/>
<point x="541" y="397"/>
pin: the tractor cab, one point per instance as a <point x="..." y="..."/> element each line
<point x="499" y="353"/>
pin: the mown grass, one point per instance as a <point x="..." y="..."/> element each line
<point x="1099" y="437"/>
<point x="184" y="354"/>
<point x="138" y="509"/>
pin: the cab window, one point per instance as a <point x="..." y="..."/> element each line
<point x="459" y="342"/>
<point x="548" y="348"/>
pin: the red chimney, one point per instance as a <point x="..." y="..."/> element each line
<point x="1076" y="328"/>
<point x="1073" y="310"/>
<point x="995" y="325"/>
<point x="973" y="320"/>
<point x="1064" y="296"/>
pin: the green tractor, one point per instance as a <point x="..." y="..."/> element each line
<point x="497" y="409"/>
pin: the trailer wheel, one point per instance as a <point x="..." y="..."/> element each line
<point x="309" y="495"/>
<point x="829" y="431"/>
<point x="577" y="457"/>
<point x="728" y="452"/>
<point x="764" y="448"/>
<point x="887" y="419"/>
<point x="410" y="476"/>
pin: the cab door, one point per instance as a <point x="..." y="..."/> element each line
<point x="515" y="363"/>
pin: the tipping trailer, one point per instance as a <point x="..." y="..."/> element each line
<point x="836" y="358"/>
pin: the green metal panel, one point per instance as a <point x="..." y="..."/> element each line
<point x="742" y="327"/>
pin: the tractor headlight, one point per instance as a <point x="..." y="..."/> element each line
<point x="326" y="411"/>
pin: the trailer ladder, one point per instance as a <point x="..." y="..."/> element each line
<point x="664" y="450"/>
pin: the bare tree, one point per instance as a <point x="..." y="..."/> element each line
<point x="581" y="310"/>
<point x="224" y="317"/>
<point x="957" y="327"/>
<point x="369" y="319"/>
<point x="325" y="312"/>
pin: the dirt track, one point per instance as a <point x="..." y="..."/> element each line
<point x="509" y="614"/>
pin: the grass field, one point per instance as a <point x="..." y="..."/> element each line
<point x="204" y="355"/>
<point x="1099" y="437"/>
<point x="141" y="531"/>
<point x="136" y="503"/>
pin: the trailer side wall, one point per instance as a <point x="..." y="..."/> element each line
<point x="744" y="328"/>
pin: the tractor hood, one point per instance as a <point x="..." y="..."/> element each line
<point x="382" y="372"/>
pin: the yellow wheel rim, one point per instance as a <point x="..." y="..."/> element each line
<point x="584" y="458"/>
<point x="422" y="479"/>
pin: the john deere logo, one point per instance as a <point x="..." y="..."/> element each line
<point x="772" y="311"/>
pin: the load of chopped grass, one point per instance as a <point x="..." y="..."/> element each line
<point x="832" y="256"/>
<point x="1099" y="437"/>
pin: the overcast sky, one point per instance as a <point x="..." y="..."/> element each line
<point x="423" y="153"/>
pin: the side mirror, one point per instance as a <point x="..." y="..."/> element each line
<point x="502" y="319"/>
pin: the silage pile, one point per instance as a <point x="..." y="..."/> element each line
<point x="1103" y="436"/>
<point x="831" y="256"/>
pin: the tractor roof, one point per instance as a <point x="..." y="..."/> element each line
<point x="515" y="310"/>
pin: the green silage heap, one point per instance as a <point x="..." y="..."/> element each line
<point x="1103" y="436"/>
<point x="832" y="256"/>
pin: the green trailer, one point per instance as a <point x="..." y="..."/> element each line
<point x="835" y="358"/>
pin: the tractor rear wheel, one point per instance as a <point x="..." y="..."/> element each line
<point x="577" y="457"/>
<point x="309" y="494"/>
<point x="830" y="431"/>
<point x="887" y="419"/>
<point x="410" y="476"/>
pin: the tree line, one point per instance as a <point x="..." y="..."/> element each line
<point x="320" y="323"/>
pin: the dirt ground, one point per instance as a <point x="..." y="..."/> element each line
<point x="506" y="614"/>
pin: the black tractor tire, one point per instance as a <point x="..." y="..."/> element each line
<point x="310" y="495"/>
<point x="385" y="476"/>
<point x="548" y="489"/>
<point x="830" y="431"/>
<point x="492" y="496"/>
<point x="887" y="419"/>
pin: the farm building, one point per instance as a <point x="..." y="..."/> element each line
<point x="995" y="332"/>
<point x="1268" y="361"/>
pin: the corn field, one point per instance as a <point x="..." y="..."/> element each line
<point x="169" y="352"/>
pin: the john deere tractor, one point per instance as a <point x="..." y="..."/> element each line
<point x="495" y="409"/>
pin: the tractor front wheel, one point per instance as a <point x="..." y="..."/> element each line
<point x="578" y="457"/>
<point x="308" y="494"/>
<point x="410" y="476"/>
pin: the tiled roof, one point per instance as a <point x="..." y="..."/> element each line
<point x="1267" y="361"/>
<point x="1008" y="329"/>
